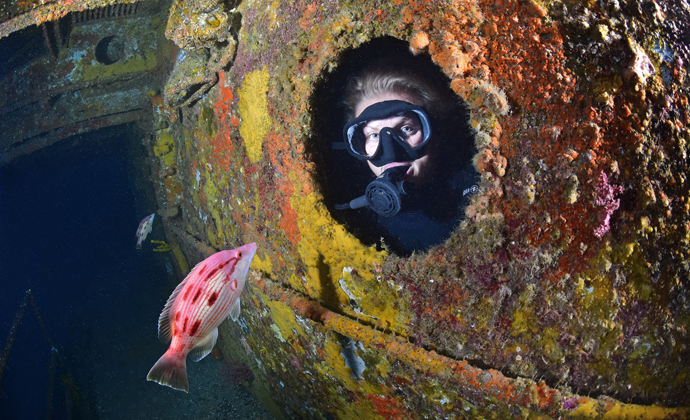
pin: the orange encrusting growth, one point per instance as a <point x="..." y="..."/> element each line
<point x="473" y="48"/>
<point x="387" y="407"/>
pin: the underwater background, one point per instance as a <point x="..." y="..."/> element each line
<point x="67" y="232"/>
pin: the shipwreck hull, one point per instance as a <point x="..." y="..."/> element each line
<point x="564" y="293"/>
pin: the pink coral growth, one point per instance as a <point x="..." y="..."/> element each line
<point x="605" y="198"/>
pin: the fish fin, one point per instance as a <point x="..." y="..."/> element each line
<point x="164" y="327"/>
<point x="204" y="347"/>
<point x="235" y="309"/>
<point x="170" y="370"/>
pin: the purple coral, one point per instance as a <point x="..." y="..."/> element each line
<point x="569" y="404"/>
<point x="605" y="198"/>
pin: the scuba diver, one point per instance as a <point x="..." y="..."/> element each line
<point x="418" y="144"/>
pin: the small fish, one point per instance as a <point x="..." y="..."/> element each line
<point x="209" y="293"/>
<point x="144" y="228"/>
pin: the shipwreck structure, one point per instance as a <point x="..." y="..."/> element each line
<point x="565" y="293"/>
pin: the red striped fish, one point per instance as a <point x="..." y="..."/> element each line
<point x="190" y="319"/>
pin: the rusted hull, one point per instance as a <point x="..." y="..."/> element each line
<point x="568" y="277"/>
<point x="564" y="293"/>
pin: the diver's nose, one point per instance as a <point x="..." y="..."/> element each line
<point x="394" y="135"/>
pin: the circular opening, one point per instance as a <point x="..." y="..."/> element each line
<point x="109" y="50"/>
<point x="431" y="184"/>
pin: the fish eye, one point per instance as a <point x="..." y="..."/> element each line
<point x="239" y="254"/>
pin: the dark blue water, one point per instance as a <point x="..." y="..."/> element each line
<point x="68" y="217"/>
<point x="67" y="226"/>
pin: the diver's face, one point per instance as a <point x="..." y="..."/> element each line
<point x="407" y="126"/>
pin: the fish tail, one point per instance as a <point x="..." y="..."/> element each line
<point x="170" y="370"/>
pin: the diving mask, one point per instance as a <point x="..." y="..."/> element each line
<point x="391" y="145"/>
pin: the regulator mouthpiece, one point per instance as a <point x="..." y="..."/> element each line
<point x="385" y="194"/>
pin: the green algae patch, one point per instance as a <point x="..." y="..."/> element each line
<point x="210" y="194"/>
<point x="164" y="149"/>
<point x="549" y="342"/>
<point x="180" y="257"/>
<point x="524" y="322"/>
<point x="253" y="107"/>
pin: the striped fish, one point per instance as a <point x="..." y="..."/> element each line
<point x="190" y="319"/>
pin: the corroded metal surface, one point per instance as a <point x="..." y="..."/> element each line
<point x="195" y="25"/>
<point x="572" y="263"/>
<point x="459" y="378"/>
<point x="99" y="74"/>
<point x="16" y="14"/>
<point x="205" y="35"/>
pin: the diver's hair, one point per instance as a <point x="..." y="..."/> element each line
<point x="375" y="82"/>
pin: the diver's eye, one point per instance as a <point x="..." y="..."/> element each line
<point x="239" y="254"/>
<point x="371" y="143"/>
<point x="407" y="129"/>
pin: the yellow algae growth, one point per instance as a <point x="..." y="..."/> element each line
<point x="253" y="107"/>
<point x="337" y="363"/>
<point x="335" y="259"/>
<point x="326" y="247"/>
<point x="180" y="257"/>
<point x="164" y="148"/>
<point x="586" y="410"/>
<point x="264" y="265"/>
<point x="213" y="230"/>
<point x="630" y="411"/>
<point x="284" y="319"/>
<point x="339" y="370"/>
<point x="374" y="297"/>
